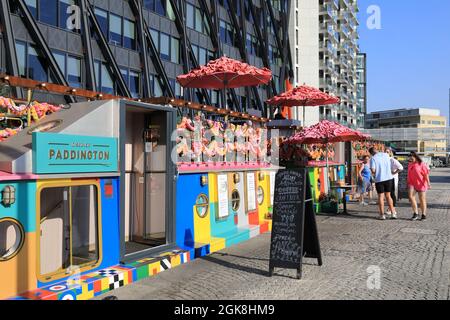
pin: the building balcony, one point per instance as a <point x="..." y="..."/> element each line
<point x="327" y="85"/>
<point x="328" y="117"/>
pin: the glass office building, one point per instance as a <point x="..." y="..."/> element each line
<point x="136" y="48"/>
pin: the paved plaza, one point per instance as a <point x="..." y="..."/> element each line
<point x="412" y="258"/>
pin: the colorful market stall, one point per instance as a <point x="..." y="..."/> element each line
<point x="85" y="209"/>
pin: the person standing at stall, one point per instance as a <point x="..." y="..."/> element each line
<point x="364" y="181"/>
<point x="380" y="164"/>
<point x="396" y="167"/>
<point x="418" y="183"/>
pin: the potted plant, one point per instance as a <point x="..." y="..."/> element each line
<point x="329" y="203"/>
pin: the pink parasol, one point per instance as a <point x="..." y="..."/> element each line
<point x="304" y="96"/>
<point x="225" y="73"/>
<point x="326" y="132"/>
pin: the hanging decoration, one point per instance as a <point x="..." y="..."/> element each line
<point x="206" y="141"/>
<point x="8" y="107"/>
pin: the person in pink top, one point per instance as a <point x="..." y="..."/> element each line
<point x="418" y="182"/>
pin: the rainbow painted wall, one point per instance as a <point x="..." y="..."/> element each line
<point x="209" y="218"/>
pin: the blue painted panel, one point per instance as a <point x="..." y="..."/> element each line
<point x="188" y="189"/>
<point x="24" y="209"/>
<point x="60" y="153"/>
<point x="110" y="223"/>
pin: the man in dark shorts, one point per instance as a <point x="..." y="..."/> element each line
<point x="380" y="164"/>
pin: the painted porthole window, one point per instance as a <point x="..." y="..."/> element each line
<point x="201" y="205"/>
<point x="260" y="195"/>
<point x="235" y="200"/>
<point x="12" y="237"/>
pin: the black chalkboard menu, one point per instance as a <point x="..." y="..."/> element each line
<point x="294" y="228"/>
<point x="403" y="181"/>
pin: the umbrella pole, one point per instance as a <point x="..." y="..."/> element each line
<point x="303" y="123"/>
<point x="225" y="99"/>
<point x="328" y="171"/>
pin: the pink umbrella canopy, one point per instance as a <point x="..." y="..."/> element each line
<point x="225" y="73"/>
<point x="326" y="132"/>
<point x="305" y="96"/>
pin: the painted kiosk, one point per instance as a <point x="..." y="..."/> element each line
<point x="224" y="172"/>
<point x="87" y="201"/>
<point x="98" y="195"/>
<point x="326" y="199"/>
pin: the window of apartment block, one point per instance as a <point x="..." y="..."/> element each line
<point x="156" y="86"/>
<point x="175" y="50"/>
<point x="103" y="78"/>
<point x="133" y="81"/>
<point x="21" y="51"/>
<point x="198" y="20"/>
<point x="195" y="19"/>
<point x="32" y="6"/>
<point x="248" y="13"/>
<point x="167" y="46"/>
<point x="164" y="46"/>
<point x="60" y="60"/>
<point x="177" y="90"/>
<point x="35" y="66"/>
<point x="129" y="34"/>
<point x="71" y="68"/>
<point x="226" y="32"/>
<point x="118" y="30"/>
<point x="201" y="56"/>
<point x="161" y="7"/>
<point x="102" y="18"/>
<point x="190" y="16"/>
<point x="74" y="71"/>
<point x="48" y="12"/>
<point x="115" y="29"/>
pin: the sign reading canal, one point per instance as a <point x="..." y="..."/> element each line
<point x="60" y="153"/>
<point x="294" y="228"/>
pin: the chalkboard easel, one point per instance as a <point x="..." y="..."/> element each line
<point x="294" y="227"/>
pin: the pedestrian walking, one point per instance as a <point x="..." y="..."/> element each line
<point x="364" y="181"/>
<point x="418" y="183"/>
<point x="396" y="167"/>
<point x="380" y="165"/>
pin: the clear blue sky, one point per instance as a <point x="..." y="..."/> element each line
<point x="409" y="58"/>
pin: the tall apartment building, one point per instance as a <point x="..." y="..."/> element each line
<point x="361" y="89"/>
<point x="324" y="46"/>
<point x="137" y="48"/>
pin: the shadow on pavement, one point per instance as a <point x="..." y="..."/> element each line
<point x="235" y="266"/>
<point x="439" y="179"/>
<point x="239" y="267"/>
<point x="241" y="257"/>
<point x="350" y="215"/>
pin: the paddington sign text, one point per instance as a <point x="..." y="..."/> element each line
<point x="60" y="153"/>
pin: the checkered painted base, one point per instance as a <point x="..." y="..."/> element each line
<point x="101" y="281"/>
<point x="105" y="280"/>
